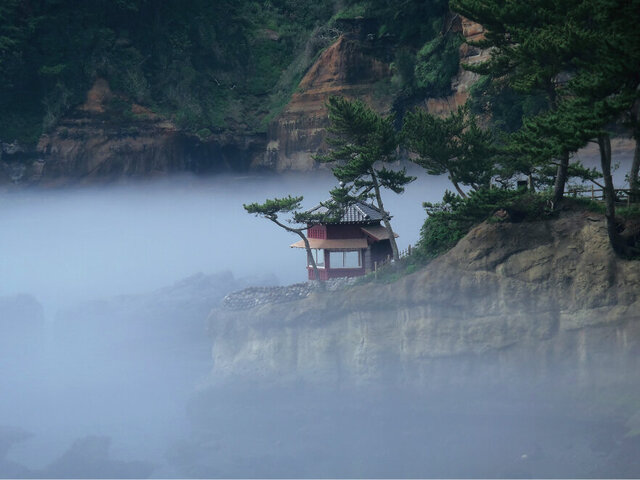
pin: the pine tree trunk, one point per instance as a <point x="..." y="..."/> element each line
<point x="460" y="191"/>
<point x="385" y="217"/>
<point x="604" y="142"/>
<point x="561" y="178"/>
<point x="634" y="184"/>
<point x="530" y="184"/>
<point x="307" y="247"/>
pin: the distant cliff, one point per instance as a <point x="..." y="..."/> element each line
<point x="350" y="67"/>
<point x="545" y="299"/>
<point x="111" y="137"/>
<point x="355" y="66"/>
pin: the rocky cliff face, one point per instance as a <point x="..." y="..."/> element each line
<point x="462" y="82"/>
<point x="548" y="300"/>
<point x="108" y="139"/>
<point x="350" y="68"/>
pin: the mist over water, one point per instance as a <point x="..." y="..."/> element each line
<point x="118" y="283"/>
<point x="67" y="246"/>
<point x="104" y="292"/>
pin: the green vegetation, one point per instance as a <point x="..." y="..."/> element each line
<point x="436" y="63"/>
<point x="363" y="142"/>
<point x="204" y="64"/>
<point x="582" y="57"/>
<point x="215" y="65"/>
<point x="454" y="145"/>
<point x="272" y="209"/>
<point x="452" y="219"/>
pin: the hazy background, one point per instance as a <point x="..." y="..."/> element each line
<point x="104" y="292"/>
<point x="119" y="281"/>
<point x="92" y="242"/>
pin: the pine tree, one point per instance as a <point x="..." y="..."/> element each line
<point x="272" y="208"/>
<point x="362" y="144"/>
<point x="532" y="43"/>
<point x="454" y="145"/>
<point x="585" y="55"/>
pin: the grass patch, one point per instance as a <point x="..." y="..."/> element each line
<point x="587" y="204"/>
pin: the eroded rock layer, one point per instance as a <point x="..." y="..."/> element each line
<point x="109" y="139"/>
<point x="350" y="68"/>
<point x="544" y="299"/>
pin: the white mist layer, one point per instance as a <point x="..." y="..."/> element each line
<point x="78" y="244"/>
<point x="101" y="376"/>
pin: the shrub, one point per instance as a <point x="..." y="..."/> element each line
<point x="452" y="219"/>
<point x="203" y="133"/>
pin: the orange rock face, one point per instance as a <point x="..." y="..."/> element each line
<point x="461" y="83"/>
<point x="347" y="68"/>
<point x="94" y="144"/>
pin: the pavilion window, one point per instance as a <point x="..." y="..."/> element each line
<point x="348" y="259"/>
<point x="318" y="256"/>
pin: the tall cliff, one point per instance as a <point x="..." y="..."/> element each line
<point x="120" y="133"/>
<point x="350" y="67"/>
<point x="355" y="67"/>
<point x="546" y="300"/>
<point x="463" y="80"/>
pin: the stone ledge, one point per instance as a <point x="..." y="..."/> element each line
<point x="254" y="296"/>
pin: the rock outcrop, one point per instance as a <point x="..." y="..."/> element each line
<point x="545" y="299"/>
<point x="109" y="139"/>
<point x="350" y="68"/>
<point x="464" y="79"/>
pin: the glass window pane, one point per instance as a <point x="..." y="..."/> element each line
<point x="344" y="259"/>
<point x="352" y="259"/>
<point x="335" y="259"/>
<point x="318" y="256"/>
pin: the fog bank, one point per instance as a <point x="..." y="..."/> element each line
<point x="72" y="245"/>
<point x="104" y="293"/>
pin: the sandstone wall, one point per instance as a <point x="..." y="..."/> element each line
<point x="350" y="68"/>
<point x="546" y="300"/>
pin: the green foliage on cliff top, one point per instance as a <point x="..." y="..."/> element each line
<point x="204" y="64"/>
<point x="449" y="221"/>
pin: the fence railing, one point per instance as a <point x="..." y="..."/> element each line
<point x="622" y="195"/>
<point x="379" y="265"/>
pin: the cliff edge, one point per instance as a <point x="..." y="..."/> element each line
<point x="549" y="300"/>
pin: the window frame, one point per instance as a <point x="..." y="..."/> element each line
<point x="342" y="265"/>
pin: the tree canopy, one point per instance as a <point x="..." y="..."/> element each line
<point x="363" y="143"/>
<point x="454" y="145"/>
<point x="584" y="56"/>
<point x="272" y="208"/>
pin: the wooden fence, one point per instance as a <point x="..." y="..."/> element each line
<point x="387" y="261"/>
<point x="624" y="196"/>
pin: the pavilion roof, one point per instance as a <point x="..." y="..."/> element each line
<point x="358" y="212"/>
